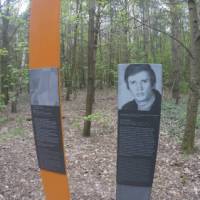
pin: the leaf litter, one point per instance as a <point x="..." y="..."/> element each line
<point x="91" y="162"/>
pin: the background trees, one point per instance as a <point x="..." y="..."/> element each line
<point x="134" y="31"/>
<point x="194" y="86"/>
<point x="131" y="31"/>
<point x="13" y="50"/>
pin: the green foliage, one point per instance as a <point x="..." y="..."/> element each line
<point x="13" y="132"/>
<point x="3" y="52"/>
<point x="3" y="120"/>
<point x="2" y="105"/>
<point x="102" y="3"/>
<point x="122" y="31"/>
<point x="184" y="87"/>
<point x="97" y="117"/>
<point x="21" y="46"/>
<point x="94" y="117"/>
<point x="17" y="76"/>
<point x="173" y="117"/>
<point x="12" y="49"/>
<point x="15" y="83"/>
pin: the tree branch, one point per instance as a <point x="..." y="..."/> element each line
<point x="165" y="33"/>
<point x="14" y="32"/>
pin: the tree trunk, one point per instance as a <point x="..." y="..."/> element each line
<point x="14" y="101"/>
<point x="192" y="106"/>
<point x="91" y="66"/>
<point x="96" y="34"/>
<point x="125" y="48"/>
<point x="145" y="13"/>
<point x="74" y="56"/>
<point x="68" y="54"/>
<point x="111" y="50"/>
<point x="4" y="58"/>
<point x="176" y="52"/>
<point x="81" y="53"/>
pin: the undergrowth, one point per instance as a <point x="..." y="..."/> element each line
<point x="12" y="132"/>
<point x="173" y="117"/>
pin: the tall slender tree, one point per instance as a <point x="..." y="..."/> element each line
<point x="192" y="105"/>
<point x="91" y="67"/>
<point x="5" y="13"/>
<point x="74" y="66"/>
<point x="145" y="19"/>
<point x="176" y="51"/>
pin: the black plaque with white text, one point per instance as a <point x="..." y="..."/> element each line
<point x="139" y="106"/>
<point x="137" y="147"/>
<point x="48" y="137"/>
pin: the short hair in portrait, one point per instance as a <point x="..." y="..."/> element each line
<point x="139" y="87"/>
<point x="133" y="69"/>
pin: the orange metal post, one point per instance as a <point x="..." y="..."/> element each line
<point x="44" y="48"/>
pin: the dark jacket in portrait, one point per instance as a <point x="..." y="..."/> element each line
<point x="131" y="106"/>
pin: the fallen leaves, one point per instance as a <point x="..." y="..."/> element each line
<point x="91" y="162"/>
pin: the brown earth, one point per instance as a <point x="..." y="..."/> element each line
<point x="91" y="162"/>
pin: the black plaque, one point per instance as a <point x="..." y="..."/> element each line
<point x="48" y="137"/>
<point x="138" y="134"/>
<point x="135" y="170"/>
<point x="137" y="147"/>
<point x="139" y="105"/>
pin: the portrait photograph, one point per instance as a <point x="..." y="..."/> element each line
<point x="140" y="87"/>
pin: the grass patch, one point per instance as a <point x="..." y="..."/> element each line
<point x="11" y="133"/>
<point x="173" y="117"/>
<point x="3" y="120"/>
<point x="97" y="118"/>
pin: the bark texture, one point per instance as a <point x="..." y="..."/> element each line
<point x="92" y="46"/>
<point x="4" y="58"/>
<point x="192" y="106"/>
<point x="176" y="52"/>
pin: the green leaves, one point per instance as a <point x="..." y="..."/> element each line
<point x="2" y="105"/>
<point x="102" y="3"/>
<point x="3" y="52"/>
<point x="94" y="117"/>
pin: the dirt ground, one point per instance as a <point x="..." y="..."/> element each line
<point x="91" y="162"/>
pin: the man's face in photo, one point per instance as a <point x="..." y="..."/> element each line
<point x="140" y="86"/>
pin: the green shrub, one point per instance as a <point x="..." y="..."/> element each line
<point x="2" y="105"/>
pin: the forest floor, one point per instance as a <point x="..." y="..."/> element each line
<point x="91" y="162"/>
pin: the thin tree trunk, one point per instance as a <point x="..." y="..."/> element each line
<point x="74" y="56"/>
<point x="68" y="77"/>
<point x="4" y="58"/>
<point x="18" y="84"/>
<point x="111" y="50"/>
<point x="91" y="67"/>
<point x="96" y="34"/>
<point x="125" y="49"/>
<point x="101" y="71"/>
<point x="81" y="54"/>
<point x="192" y="106"/>
<point x="145" y="29"/>
<point x="176" y="53"/>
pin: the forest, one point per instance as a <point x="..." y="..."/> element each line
<point x="96" y="36"/>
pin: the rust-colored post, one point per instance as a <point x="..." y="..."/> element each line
<point x="44" y="64"/>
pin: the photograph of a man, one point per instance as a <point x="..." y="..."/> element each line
<point x="140" y="81"/>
